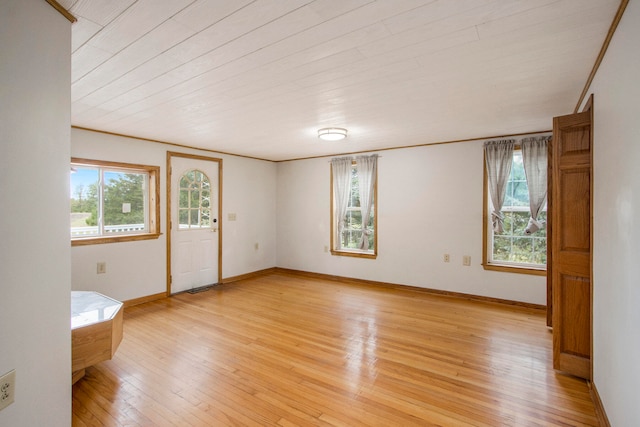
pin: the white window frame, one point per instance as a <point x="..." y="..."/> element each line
<point x="490" y="259"/>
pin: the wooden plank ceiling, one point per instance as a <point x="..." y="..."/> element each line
<point x="260" y="77"/>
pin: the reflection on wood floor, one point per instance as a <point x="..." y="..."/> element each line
<point x="288" y="350"/>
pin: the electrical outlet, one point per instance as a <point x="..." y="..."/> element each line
<point x="447" y="258"/>
<point x="326" y="248"/>
<point x="232" y="216"/>
<point x="7" y="389"/>
<point x="466" y="260"/>
<point x="101" y="268"/>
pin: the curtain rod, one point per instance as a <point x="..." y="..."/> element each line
<point x="353" y="157"/>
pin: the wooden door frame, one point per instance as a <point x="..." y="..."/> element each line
<point x="170" y="156"/>
<point x="588" y="107"/>
<point x="549" y="234"/>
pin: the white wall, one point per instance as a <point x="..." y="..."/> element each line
<point x="35" y="337"/>
<point x="138" y="269"/>
<point x="429" y="204"/>
<point x="616" y="259"/>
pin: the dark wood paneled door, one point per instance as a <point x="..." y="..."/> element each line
<point x="571" y="252"/>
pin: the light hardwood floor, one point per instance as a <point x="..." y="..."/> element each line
<point x="287" y="350"/>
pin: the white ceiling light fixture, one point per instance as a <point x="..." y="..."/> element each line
<point x="332" y="134"/>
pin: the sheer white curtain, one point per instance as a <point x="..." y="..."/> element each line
<point x="366" y="166"/>
<point x="534" y="158"/>
<point x="341" y="173"/>
<point x="498" y="158"/>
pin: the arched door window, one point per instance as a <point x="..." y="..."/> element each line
<point x="194" y="210"/>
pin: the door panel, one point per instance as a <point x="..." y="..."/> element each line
<point x="194" y="242"/>
<point x="575" y="308"/>
<point x="571" y="247"/>
<point x="185" y="254"/>
<point x="574" y="225"/>
<point x="576" y="140"/>
<point x="207" y="258"/>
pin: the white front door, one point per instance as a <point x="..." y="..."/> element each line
<point x="195" y="227"/>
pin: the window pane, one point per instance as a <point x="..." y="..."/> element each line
<point x="517" y="191"/>
<point x="195" y="198"/>
<point x="351" y="238"/>
<point x="84" y="201"/>
<point x="124" y="202"/>
<point x="205" y="218"/>
<point x="508" y="195"/>
<point x="542" y="233"/>
<point x="194" y="215"/>
<point x="520" y="221"/>
<point x="502" y="248"/>
<point x="539" y="251"/>
<point x="354" y="200"/>
<point x="354" y="219"/>
<point x="520" y="194"/>
<point x="522" y="249"/>
<point x="183" y="218"/>
<point x="183" y="203"/>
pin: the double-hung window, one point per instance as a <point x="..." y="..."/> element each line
<point x="515" y="233"/>
<point x="354" y="206"/>
<point x="112" y="202"/>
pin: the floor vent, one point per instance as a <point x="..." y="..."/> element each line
<point x="201" y="289"/>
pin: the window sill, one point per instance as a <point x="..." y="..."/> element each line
<point x="515" y="269"/>
<point x="355" y="254"/>
<point x="114" y="239"/>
